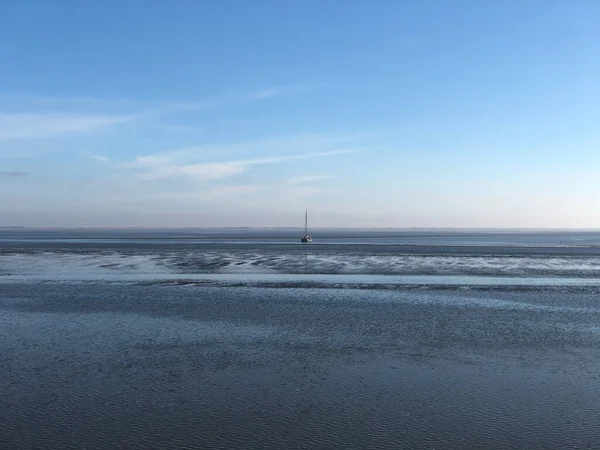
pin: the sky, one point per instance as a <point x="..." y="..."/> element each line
<point x="384" y="113"/>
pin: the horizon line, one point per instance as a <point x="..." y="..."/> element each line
<point x="67" y="227"/>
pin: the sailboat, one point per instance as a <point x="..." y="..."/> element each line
<point x="306" y="237"/>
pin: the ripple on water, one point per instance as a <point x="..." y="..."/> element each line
<point x="97" y="366"/>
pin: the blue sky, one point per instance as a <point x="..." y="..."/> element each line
<point x="235" y="113"/>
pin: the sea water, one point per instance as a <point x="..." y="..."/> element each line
<point x="249" y="339"/>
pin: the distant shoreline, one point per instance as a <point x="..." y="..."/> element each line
<point x="400" y="229"/>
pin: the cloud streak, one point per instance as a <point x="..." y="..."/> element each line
<point x="234" y="191"/>
<point x="280" y="159"/>
<point x="49" y="117"/>
<point x="100" y="158"/>
<point x="321" y="143"/>
<point x="13" y="173"/>
<point x="159" y="167"/>
<point x="306" y="179"/>
<point x="34" y="126"/>
<point x="277" y="91"/>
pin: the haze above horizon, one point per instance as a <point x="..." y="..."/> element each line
<point x="382" y="114"/>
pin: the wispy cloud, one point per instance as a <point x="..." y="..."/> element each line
<point x="320" y="143"/>
<point x="35" y="117"/>
<point x="306" y="179"/>
<point x="179" y="128"/>
<point x="239" y="190"/>
<point x="62" y="104"/>
<point x="99" y="158"/>
<point x="211" y="171"/>
<point x="13" y="173"/>
<point x="264" y="94"/>
<point x="277" y="91"/>
<point x="33" y="126"/>
<point x="198" y="162"/>
<point x="279" y="159"/>
<point x="219" y="192"/>
<point x="160" y="168"/>
<point x="198" y="172"/>
<point x="151" y="160"/>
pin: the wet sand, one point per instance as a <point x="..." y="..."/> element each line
<point x="95" y="365"/>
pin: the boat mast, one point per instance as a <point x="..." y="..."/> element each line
<point x="306" y="222"/>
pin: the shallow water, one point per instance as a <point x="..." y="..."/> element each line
<point x="361" y="347"/>
<point x="274" y="236"/>
<point x="104" y="366"/>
